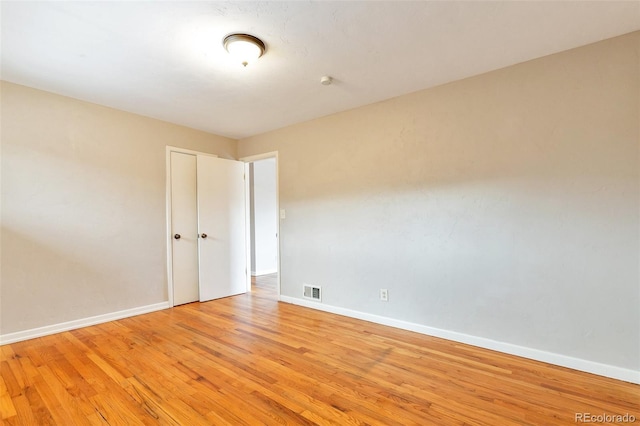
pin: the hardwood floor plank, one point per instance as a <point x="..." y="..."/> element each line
<point x="150" y="402"/>
<point x="116" y="411"/>
<point x="249" y="360"/>
<point x="22" y="414"/>
<point x="54" y="409"/>
<point x="10" y="383"/>
<point x="7" y="408"/>
<point x="228" y="388"/>
<point x="76" y="407"/>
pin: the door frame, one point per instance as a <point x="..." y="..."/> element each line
<point x="248" y="160"/>
<point x="168" y="150"/>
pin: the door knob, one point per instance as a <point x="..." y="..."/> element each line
<point x="177" y="236"/>
<point x="203" y="235"/>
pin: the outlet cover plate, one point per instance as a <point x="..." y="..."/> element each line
<point x="384" y="294"/>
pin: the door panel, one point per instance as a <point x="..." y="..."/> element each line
<point x="221" y="216"/>
<point x="184" y="222"/>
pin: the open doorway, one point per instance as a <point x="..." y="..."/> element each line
<point x="263" y="256"/>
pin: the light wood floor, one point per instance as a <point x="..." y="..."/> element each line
<point x="250" y="360"/>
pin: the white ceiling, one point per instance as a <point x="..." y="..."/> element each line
<point x="164" y="59"/>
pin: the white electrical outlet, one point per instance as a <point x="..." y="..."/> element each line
<point x="384" y="294"/>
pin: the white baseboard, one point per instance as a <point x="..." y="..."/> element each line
<point x="79" y="323"/>
<point x="263" y="272"/>
<point x="522" y="351"/>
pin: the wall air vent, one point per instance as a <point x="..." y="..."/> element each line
<point x="311" y="292"/>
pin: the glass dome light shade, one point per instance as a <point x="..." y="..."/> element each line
<point x="245" y="48"/>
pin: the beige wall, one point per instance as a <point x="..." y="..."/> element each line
<point x="504" y="206"/>
<point x="83" y="207"/>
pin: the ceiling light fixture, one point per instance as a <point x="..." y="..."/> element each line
<point x="246" y="48"/>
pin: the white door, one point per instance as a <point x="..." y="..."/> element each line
<point x="184" y="228"/>
<point x="221" y="227"/>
